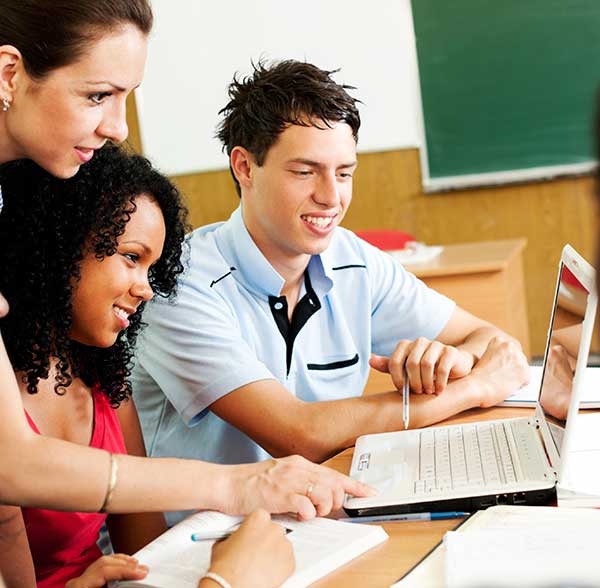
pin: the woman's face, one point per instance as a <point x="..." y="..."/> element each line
<point x="61" y="120"/>
<point x="111" y="289"/>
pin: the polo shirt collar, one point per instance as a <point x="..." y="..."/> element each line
<point x="320" y="272"/>
<point x="252" y="267"/>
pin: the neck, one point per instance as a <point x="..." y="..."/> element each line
<point x="8" y="149"/>
<point x="289" y="265"/>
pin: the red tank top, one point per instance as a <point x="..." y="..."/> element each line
<point x="63" y="544"/>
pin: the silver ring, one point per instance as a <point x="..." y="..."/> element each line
<point x="309" y="490"/>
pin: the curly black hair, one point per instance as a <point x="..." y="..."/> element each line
<point x="47" y="226"/>
<point x="279" y="94"/>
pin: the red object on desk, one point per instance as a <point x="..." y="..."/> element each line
<point x="386" y="240"/>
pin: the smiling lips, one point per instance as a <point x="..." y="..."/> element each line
<point x="123" y="316"/>
<point x="319" y="222"/>
<point x="84" y="153"/>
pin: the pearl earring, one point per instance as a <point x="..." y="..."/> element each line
<point x="5" y="104"/>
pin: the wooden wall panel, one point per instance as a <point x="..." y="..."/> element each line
<point x="387" y="194"/>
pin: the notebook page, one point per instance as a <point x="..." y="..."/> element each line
<point x="545" y="521"/>
<point x="528" y="394"/>
<point x="525" y="546"/>
<point x="320" y="546"/>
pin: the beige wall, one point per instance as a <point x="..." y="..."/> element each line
<point x="387" y="194"/>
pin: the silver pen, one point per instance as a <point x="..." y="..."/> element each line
<point x="405" y="397"/>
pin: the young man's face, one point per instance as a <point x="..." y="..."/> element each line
<point x="294" y="201"/>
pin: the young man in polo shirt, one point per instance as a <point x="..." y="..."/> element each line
<point x="268" y="346"/>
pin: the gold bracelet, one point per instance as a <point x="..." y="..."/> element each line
<point x="112" y="482"/>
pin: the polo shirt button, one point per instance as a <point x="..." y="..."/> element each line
<point x="311" y="301"/>
<point x="278" y="306"/>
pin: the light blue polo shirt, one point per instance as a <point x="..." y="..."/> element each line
<point x="228" y="327"/>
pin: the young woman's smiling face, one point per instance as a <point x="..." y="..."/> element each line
<point x="62" y="119"/>
<point x="111" y="289"/>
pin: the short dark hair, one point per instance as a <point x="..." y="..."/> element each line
<point x="47" y="226"/>
<point x="54" y="33"/>
<point x="275" y="96"/>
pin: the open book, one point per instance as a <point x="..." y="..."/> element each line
<point x="527" y="395"/>
<point x="320" y="546"/>
<point x="514" y="546"/>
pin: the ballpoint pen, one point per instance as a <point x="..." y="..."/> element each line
<point x="411" y="516"/>
<point x="405" y="397"/>
<point x="214" y="535"/>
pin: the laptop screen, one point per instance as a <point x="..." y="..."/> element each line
<point x="561" y="355"/>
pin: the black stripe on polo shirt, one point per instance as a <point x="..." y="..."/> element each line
<point x="231" y="269"/>
<point x="334" y="365"/>
<point x="306" y="307"/>
<point x="349" y="266"/>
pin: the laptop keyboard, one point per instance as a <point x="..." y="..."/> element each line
<point x="477" y="456"/>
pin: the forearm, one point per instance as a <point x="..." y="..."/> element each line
<point x="16" y="565"/>
<point x="48" y="473"/>
<point x="44" y="472"/>
<point x="476" y="343"/>
<point x="318" y="430"/>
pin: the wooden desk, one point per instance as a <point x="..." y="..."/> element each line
<point x="485" y="278"/>
<point x="409" y="541"/>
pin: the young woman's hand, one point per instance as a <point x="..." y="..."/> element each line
<point x="257" y="555"/>
<point x="107" y="569"/>
<point x="287" y="485"/>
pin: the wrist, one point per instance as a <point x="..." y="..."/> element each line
<point x="476" y="390"/>
<point x="212" y="579"/>
<point x="223" y="486"/>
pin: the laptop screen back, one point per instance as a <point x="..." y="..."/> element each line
<point x="569" y="311"/>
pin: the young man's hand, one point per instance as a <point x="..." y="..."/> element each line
<point x="502" y="370"/>
<point x="429" y="365"/>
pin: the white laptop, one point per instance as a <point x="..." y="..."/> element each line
<point x="508" y="461"/>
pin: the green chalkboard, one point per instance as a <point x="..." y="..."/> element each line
<point x="507" y="84"/>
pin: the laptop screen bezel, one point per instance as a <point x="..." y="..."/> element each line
<point x="586" y="275"/>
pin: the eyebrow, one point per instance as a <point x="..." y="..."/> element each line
<point x="143" y="245"/>
<point x="317" y="164"/>
<point x="118" y="88"/>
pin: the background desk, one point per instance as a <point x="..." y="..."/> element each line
<point x="485" y="278"/>
<point x="409" y="541"/>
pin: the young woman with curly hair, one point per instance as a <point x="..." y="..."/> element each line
<point x="78" y="261"/>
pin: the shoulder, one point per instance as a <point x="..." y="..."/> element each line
<point x="205" y="264"/>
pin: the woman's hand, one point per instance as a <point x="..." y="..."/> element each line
<point x="288" y="485"/>
<point x="257" y="555"/>
<point x="107" y="569"/>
